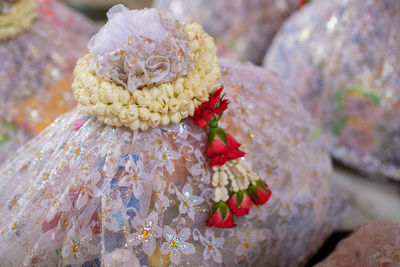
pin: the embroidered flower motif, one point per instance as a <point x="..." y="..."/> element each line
<point x="114" y="214"/>
<point x="131" y="179"/>
<point x="78" y="246"/>
<point x="212" y="245"/>
<point x="188" y="201"/>
<point x="175" y="244"/>
<point x="147" y="231"/>
<point x="248" y="241"/>
<point x="121" y="257"/>
<point x="16" y="232"/>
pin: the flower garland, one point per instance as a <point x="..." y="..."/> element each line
<point x="229" y="167"/>
<point x="156" y="104"/>
<point x="20" y="18"/>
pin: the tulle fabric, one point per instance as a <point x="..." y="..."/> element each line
<point x="376" y="243"/>
<point x="243" y="28"/>
<point x="95" y="194"/>
<point x="36" y="73"/>
<point x="139" y="48"/>
<point x="342" y="58"/>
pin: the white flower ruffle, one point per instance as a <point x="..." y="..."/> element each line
<point x="137" y="48"/>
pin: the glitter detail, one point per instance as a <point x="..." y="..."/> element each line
<point x="173" y="244"/>
<point x="34" y="260"/>
<point x="75" y="248"/>
<point x="145" y="234"/>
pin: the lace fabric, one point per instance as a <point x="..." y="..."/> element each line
<point x="341" y="57"/>
<point x="248" y="35"/>
<point x="376" y="243"/>
<point x="158" y="54"/>
<point x="36" y="72"/>
<point x="83" y="193"/>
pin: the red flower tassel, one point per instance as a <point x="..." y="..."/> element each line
<point x="259" y="193"/>
<point x="222" y="148"/>
<point x="240" y="203"/>
<point x="206" y="111"/>
<point x="220" y="216"/>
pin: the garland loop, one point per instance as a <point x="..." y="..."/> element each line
<point x="151" y="105"/>
<point x="19" y="19"/>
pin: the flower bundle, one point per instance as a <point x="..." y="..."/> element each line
<point x="226" y="160"/>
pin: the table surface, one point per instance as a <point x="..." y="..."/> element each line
<point x="369" y="199"/>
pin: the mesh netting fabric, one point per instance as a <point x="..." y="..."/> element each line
<point x="248" y="35"/>
<point x="110" y="196"/>
<point x="341" y="57"/>
<point x="36" y="73"/>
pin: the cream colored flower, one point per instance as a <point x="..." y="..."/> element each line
<point x="20" y="18"/>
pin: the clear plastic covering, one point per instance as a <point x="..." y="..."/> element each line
<point x="82" y="193"/>
<point x="243" y="28"/>
<point x="36" y="73"/>
<point x="374" y="244"/>
<point x="342" y="58"/>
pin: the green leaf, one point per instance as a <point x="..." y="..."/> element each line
<point x="213" y="124"/>
<point x="338" y="125"/>
<point x="222" y="136"/>
<point x="239" y="197"/>
<point x="374" y="97"/>
<point x="211" y="135"/>
<point x="261" y="185"/>
<point x="252" y="189"/>
<point x="224" y="212"/>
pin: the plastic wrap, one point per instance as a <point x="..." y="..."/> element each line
<point x="243" y="29"/>
<point x="83" y="193"/>
<point x="341" y="57"/>
<point x="36" y="73"/>
<point x="374" y="244"/>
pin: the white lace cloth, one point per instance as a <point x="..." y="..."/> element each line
<point x="103" y="195"/>
<point x="155" y="51"/>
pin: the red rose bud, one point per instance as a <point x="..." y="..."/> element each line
<point x="214" y="106"/>
<point x="240" y="203"/>
<point x="222" y="148"/>
<point x="220" y="216"/>
<point x="259" y="193"/>
<point x="303" y="2"/>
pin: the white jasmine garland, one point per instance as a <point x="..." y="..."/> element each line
<point x="152" y="105"/>
<point x="19" y="18"/>
<point x="238" y="172"/>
